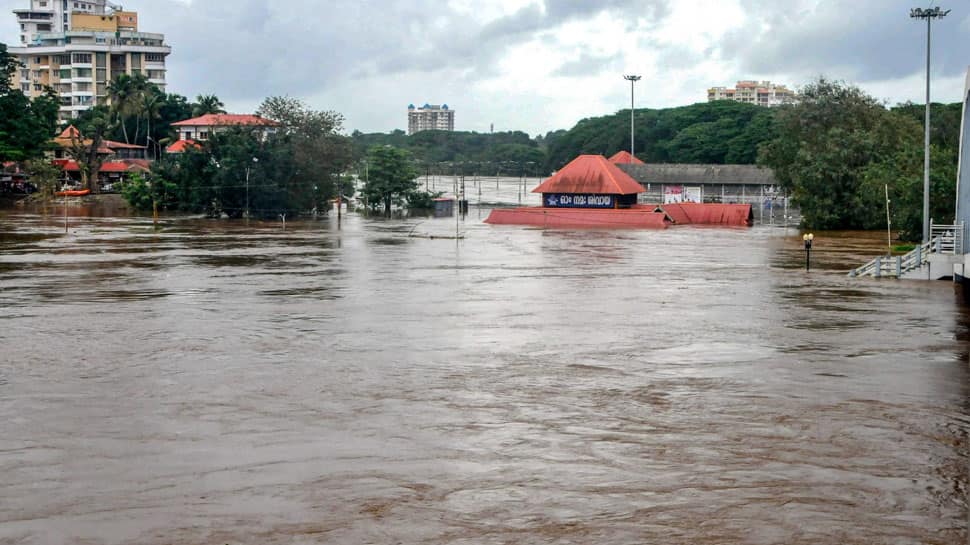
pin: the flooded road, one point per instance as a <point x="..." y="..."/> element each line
<point x="218" y="383"/>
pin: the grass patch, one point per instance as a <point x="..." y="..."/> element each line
<point x="903" y="248"/>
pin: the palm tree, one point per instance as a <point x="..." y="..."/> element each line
<point x="151" y="103"/>
<point x="126" y="94"/>
<point x="207" y="104"/>
<point x="121" y="94"/>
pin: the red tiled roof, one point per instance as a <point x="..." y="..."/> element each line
<point x="111" y="166"/>
<point x="227" y="120"/>
<point x="70" y="132"/>
<point x="591" y="174"/>
<point x="181" y="146"/>
<point x="121" y="145"/>
<point x="624" y="158"/>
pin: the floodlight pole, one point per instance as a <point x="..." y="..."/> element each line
<point x="632" y="79"/>
<point x="929" y="14"/>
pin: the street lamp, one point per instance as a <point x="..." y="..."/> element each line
<point x="632" y="79"/>
<point x="929" y="14"/>
<point x="808" y="249"/>
<point x="255" y="160"/>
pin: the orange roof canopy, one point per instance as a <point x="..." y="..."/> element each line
<point x="625" y="158"/>
<point x="590" y="174"/>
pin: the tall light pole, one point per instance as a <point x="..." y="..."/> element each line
<point x="632" y="79"/>
<point x="255" y="160"/>
<point x="929" y="14"/>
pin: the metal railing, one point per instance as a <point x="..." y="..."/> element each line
<point x="944" y="239"/>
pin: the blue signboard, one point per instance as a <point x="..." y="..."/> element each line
<point x="570" y="200"/>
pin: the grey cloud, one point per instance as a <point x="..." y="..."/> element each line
<point x="871" y="40"/>
<point x="587" y="65"/>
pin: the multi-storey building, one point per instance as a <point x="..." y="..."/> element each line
<point x="77" y="47"/>
<point x="430" y="117"/>
<point x="762" y="93"/>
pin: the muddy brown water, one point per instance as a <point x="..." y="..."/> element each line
<point x="215" y="382"/>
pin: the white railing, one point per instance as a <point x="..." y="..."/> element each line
<point x="951" y="238"/>
<point x="944" y="239"/>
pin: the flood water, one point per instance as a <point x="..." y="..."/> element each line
<point x="215" y="382"/>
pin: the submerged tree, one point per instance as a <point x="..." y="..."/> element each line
<point x="391" y="177"/>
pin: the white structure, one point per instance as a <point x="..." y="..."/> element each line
<point x="763" y="93"/>
<point x="199" y="129"/>
<point x="430" y="117"/>
<point x="77" y="47"/>
<point x="54" y="16"/>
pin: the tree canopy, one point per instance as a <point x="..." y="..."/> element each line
<point x="721" y="132"/>
<point x="243" y="171"/>
<point x="26" y="126"/>
<point x="839" y="148"/>
<point x="391" y="177"/>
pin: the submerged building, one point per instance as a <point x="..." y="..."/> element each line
<point x="593" y="192"/>
<point x="78" y="47"/>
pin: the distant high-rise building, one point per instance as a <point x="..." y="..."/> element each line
<point x="430" y="117"/>
<point x="763" y="93"/>
<point x="77" y="47"/>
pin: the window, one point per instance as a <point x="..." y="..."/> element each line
<point x="43" y="4"/>
<point x="154" y="57"/>
<point x="23" y="27"/>
<point x="82" y="58"/>
<point x="25" y="88"/>
<point x="82" y="72"/>
<point x="188" y="136"/>
<point x="203" y="135"/>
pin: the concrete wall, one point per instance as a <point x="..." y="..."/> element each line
<point x="963" y="171"/>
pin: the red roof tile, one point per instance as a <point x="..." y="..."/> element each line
<point x="182" y="145"/>
<point x="111" y="166"/>
<point x="624" y="158"/>
<point x="70" y="132"/>
<point x="227" y="120"/>
<point x="121" y="145"/>
<point x="591" y="174"/>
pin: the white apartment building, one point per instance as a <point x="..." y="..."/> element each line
<point x="430" y="117"/>
<point x="77" y="47"/>
<point x="763" y="93"/>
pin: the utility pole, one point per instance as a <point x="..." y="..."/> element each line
<point x="255" y="160"/>
<point x="929" y="14"/>
<point x="632" y="79"/>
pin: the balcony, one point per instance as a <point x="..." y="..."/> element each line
<point x="29" y="16"/>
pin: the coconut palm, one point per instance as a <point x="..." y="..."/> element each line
<point x="126" y="94"/>
<point x="151" y="104"/>
<point x="121" y="91"/>
<point x="207" y="104"/>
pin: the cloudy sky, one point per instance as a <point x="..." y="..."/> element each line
<point x="537" y="65"/>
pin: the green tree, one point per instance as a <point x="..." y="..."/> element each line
<point x="839" y="148"/>
<point x="319" y="150"/>
<point x="207" y="104"/>
<point x="85" y="149"/>
<point x="391" y="177"/>
<point x="26" y="126"/>
<point x="45" y="176"/>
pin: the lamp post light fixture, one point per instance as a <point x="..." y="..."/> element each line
<point x="929" y="14"/>
<point x="632" y="79"/>
<point x="808" y="238"/>
<point x="255" y="160"/>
